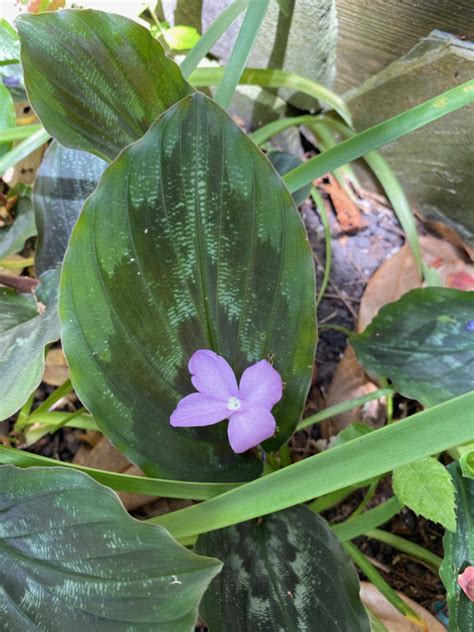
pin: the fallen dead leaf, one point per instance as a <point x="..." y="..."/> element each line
<point x="56" y="370"/>
<point x="350" y="381"/>
<point x="391" y="618"/>
<point x="103" y="456"/>
<point x="348" y="214"/>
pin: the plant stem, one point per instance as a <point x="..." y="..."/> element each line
<point x="321" y="207"/>
<point x="379" y="582"/>
<point x="241" y="51"/>
<point x="369" y="494"/>
<point x="405" y="546"/>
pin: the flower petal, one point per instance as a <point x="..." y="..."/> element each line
<point x="198" y="409"/>
<point x="261" y="385"/>
<point x="466" y="581"/>
<point x="246" y="430"/>
<point x="212" y="375"/>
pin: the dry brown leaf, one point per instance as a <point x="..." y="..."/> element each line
<point x="348" y="214"/>
<point x="56" y="371"/>
<point x="389" y="615"/>
<point x="350" y="381"/>
<point x="103" y="456"/>
<point x="398" y="275"/>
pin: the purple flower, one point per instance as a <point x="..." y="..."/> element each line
<point x="247" y="406"/>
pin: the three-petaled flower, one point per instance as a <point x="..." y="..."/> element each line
<point x="247" y="405"/>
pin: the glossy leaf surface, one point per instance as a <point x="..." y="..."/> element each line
<point x="426" y="487"/>
<point x="424" y="343"/>
<point x="459" y="553"/>
<point x="96" y="80"/>
<point x="206" y="251"/>
<point x="64" y="180"/>
<point x="26" y="327"/>
<point x="285" y="572"/>
<point x="71" y="558"/>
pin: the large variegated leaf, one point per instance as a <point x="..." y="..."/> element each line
<point x="286" y="571"/>
<point x="27" y="324"/>
<point x="96" y="80"/>
<point x="64" y="180"/>
<point x="206" y="251"/>
<point x="71" y="558"/>
<point x="459" y="553"/>
<point x="424" y="343"/>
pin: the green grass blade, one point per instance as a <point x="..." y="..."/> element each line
<point x="211" y="36"/>
<point x="271" y="78"/>
<point x="242" y="48"/>
<point x="323" y="215"/>
<point x="381" y="134"/>
<point x="18" y="133"/>
<point x="25" y="148"/>
<point x="405" y="546"/>
<point x="420" y="435"/>
<point x="355" y="527"/>
<point x="276" y="127"/>
<point x="121" y="482"/>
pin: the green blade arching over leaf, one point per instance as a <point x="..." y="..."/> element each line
<point x="64" y="180"/>
<point x="27" y="324"/>
<point x="425" y="486"/>
<point x="206" y="250"/>
<point x="7" y="115"/>
<point x="283" y="163"/>
<point x="96" y="80"/>
<point x="71" y="558"/>
<point x="424" y="343"/>
<point x="459" y="553"/>
<point x="285" y="572"/>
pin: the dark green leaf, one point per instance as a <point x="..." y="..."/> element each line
<point x="426" y="487"/>
<point x="286" y="6"/>
<point x="97" y="81"/>
<point x="459" y="553"/>
<point x="284" y="163"/>
<point x="206" y="250"/>
<point x="424" y="343"/>
<point x="71" y="558"/>
<point x="286" y="571"/>
<point x="13" y="237"/>
<point x="27" y="324"/>
<point x="64" y="180"/>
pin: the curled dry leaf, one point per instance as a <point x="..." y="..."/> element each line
<point x="103" y="456"/>
<point x="348" y="214"/>
<point x="391" y="618"/>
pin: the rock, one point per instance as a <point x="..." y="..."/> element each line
<point x="435" y="163"/>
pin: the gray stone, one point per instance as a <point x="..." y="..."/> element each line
<point x="435" y="163"/>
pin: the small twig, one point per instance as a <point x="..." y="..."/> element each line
<point x="23" y="284"/>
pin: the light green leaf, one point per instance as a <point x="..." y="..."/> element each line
<point x="27" y="324"/>
<point x="426" y="487"/>
<point x="467" y="464"/>
<point x="353" y="431"/>
<point x="424" y="343"/>
<point x="206" y="251"/>
<point x="459" y="553"/>
<point x="9" y="44"/>
<point x="13" y="237"/>
<point x="285" y="572"/>
<point x="180" y="38"/>
<point x="71" y="558"/>
<point x="96" y="80"/>
<point x="64" y="180"/>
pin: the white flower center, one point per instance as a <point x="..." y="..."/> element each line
<point x="233" y="403"/>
